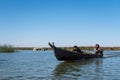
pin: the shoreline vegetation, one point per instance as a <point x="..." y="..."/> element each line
<point x="6" y="48"/>
<point x="66" y="48"/>
<point x="10" y="48"/>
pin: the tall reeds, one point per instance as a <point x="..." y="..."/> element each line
<point x="6" y="48"/>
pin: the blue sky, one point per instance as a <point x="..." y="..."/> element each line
<point x="65" y="22"/>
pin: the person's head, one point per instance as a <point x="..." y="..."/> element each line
<point x="97" y="46"/>
<point x="75" y="46"/>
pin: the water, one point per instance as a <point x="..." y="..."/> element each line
<point x="42" y="65"/>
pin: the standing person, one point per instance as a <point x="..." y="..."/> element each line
<point x="98" y="50"/>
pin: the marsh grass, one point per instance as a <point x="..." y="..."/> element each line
<point x="6" y="48"/>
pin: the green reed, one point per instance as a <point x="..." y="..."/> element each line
<point x="6" y="48"/>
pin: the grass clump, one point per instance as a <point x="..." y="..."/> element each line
<point x="6" y="48"/>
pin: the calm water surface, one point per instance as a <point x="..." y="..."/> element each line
<point x="42" y="65"/>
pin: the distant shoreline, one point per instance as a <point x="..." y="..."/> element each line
<point x="67" y="48"/>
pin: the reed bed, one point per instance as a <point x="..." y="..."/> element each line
<point x="6" y="48"/>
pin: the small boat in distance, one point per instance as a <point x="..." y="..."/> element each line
<point x="65" y="55"/>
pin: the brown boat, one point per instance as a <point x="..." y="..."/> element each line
<point x="64" y="55"/>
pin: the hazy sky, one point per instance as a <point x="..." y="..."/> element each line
<point x="65" y="22"/>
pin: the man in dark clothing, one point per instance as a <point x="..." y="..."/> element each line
<point x="77" y="49"/>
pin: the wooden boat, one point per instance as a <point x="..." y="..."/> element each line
<point x="64" y="55"/>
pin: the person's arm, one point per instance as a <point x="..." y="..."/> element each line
<point x="101" y="51"/>
<point x="73" y="49"/>
<point x="96" y="51"/>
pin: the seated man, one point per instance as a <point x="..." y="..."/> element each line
<point x="98" y="50"/>
<point x="77" y="49"/>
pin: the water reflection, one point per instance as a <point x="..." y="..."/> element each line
<point x="29" y="65"/>
<point x="83" y="69"/>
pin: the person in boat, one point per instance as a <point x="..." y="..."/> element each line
<point x="77" y="49"/>
<point x="98" y="50"/>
